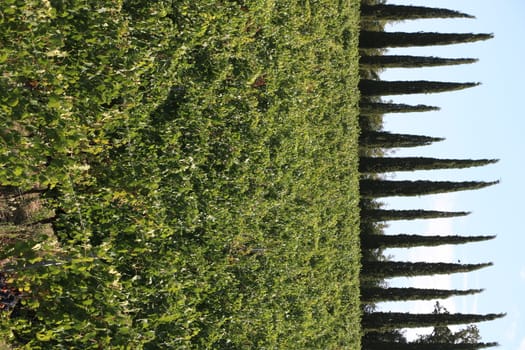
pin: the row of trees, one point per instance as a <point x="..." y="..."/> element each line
<point x="383" y="329"/>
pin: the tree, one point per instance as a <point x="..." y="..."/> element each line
<point x="444" y="336"/>
<point x="372" y="39"/>
<point x="390" y="164"/>
<point x="389" y="269"/>
<point x="376" y="345"/>
<point x="378" y="321"/>
<point x="414" y="214"/>
<point x="408" y="241"/>
<point x="403" y="61"/>
<point x="381" y="87"/>
<point x="378" y="294"/>
<point x="381" y="139"/>
<point x="387" y="188"/>
<point x="401" y="13"/>
<point x="382" y="108"/>
<point x="394" y="336"/>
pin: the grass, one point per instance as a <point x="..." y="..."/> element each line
<point x="215" y="192"/>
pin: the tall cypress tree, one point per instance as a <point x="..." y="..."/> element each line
<point x="389" y="269"/>
<point x="380" y="139"/>
<point x="402" y="12"/>
<point x="373" y="345"/>
<point x="377" y="321"/>
<point x="377" y="294"/>
<point x="384" y="164"/>
<point x="371" y="39"/>
<point x="368" y="215"/>
<point x="408" y="241"/>
<point x="382" y="87"/>
<point x="403" y="61"/>
<point x="387" y="188"/>
<point x="383" y="108"/>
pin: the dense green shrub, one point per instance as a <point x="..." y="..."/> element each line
<point x="202" y="162"/>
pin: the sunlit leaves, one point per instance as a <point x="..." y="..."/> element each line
<point x="190" y="149"/>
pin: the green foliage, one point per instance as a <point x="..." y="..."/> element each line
<point x="444" y="335"/>
<point x="382" y="87"/>
<point x="376" y="294"/>
<point x="408" y="241"/>
<point x="379" y="321"/>
<point x="389" y="269"/>
<point x="370" y="108"/>
<point x="401" y="13"/>
<point x="391" y="164"/>
<point x="380" y="39"/>
<point x="377" y="139"/>
<point x="385" y="188"/>
<point x="403" y="61"/>
<point x="202" y="161"/>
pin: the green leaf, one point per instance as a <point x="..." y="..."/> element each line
<point x="53" y="102"/>
<point x="3" y="57"/>
<point x="12" y="100"/>
<point x="17" y="171"/>
<point x="45" y="336"/>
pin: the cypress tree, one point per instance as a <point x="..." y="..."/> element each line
<point x="387" y="215"/>
<point x="401" y="12"/>
<point x="389" y="269"/>
<point x="402" y="61"/>
<point x="383" y="108"/>
<point x="384" y="164"/>
<point x="390" y="336"/>
<point x="387" y="188"/>
<point x="377" y="294"/>
<point x="373" y="39"/>
<point x="380" y="139"/>
<point x="408" y="241"/>
<point x="378" y="321"/>
<point x="373" y="345"/>
<point x="381" y="87"/>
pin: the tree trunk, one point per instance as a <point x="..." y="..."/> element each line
<point x="388" y="215"/>
<point x="376" y="294"/>
<point x="384" y="164"/>
<point x="383" y="108"/>
<point x="379" y="139"/>
<point x="381" y="87"/>
<point x="389" y="269"/>
<point x="403" y="61"/>
<point x="401" y="12"/>
<point x="371" y="39"/>
<point x="408" y="241"/>
<point x="387" y="188"/>
<point x="378" y="321"/>
<point x="11" y="192"/>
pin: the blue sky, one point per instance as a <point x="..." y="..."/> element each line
<point x="483" y="122"/>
